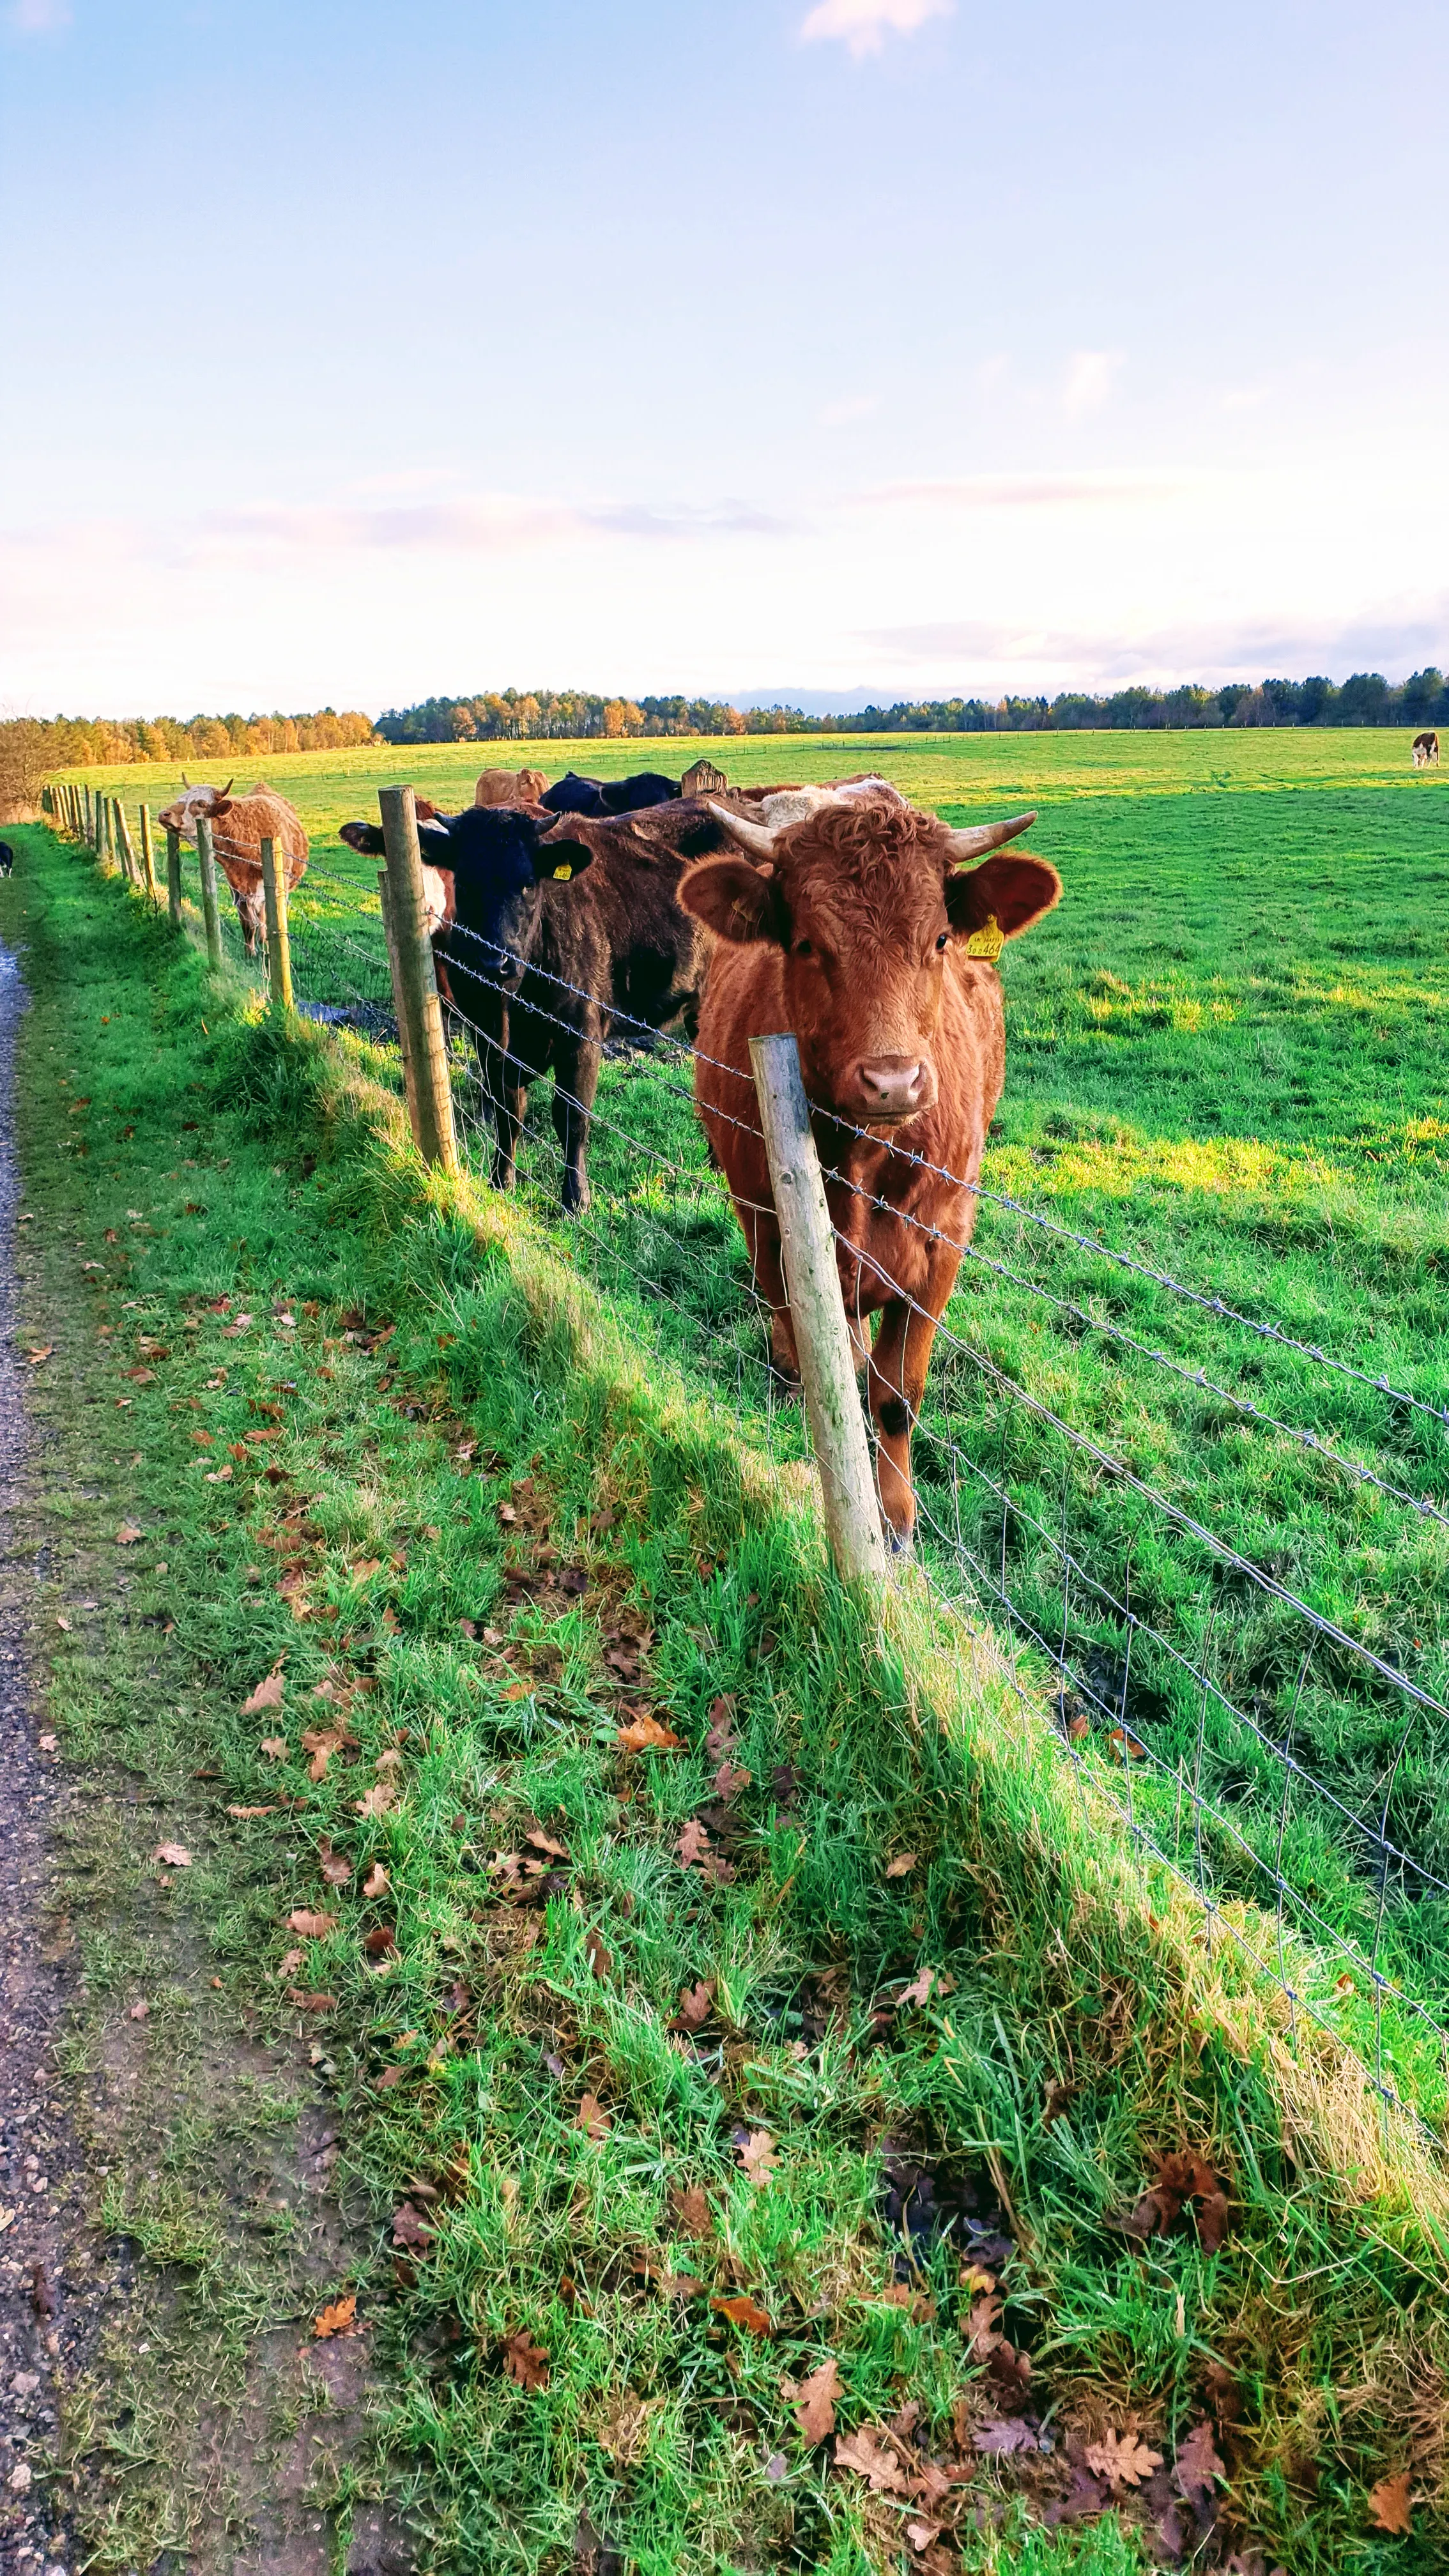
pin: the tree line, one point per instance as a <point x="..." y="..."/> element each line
<point x="541" y="715"/>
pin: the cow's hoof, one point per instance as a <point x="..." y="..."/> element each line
<point x="576" y="1202"/>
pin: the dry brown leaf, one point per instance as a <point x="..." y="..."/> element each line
<point x="127" y="1534"/>
<point x="695" y="2006"/>
<point x="335" y="1866"/>
<point x="643" y="1734"/>
<point x="691" y="2213"/>
<point x="918" y="1990"/>
<point x="593" y="2119"/>
<point x="525" y="2361"/>
<point x="545" y="1843"/>
<point x="744" y="2311"/>
<point x="1390" y="2503"/>
<point x="377" y="1800"/>
<point x="37" y="1355"/>
<point x="335" y="2320"/>
<point x="901" y="1866"/>
<point x="598" y="1957"/>
<point x="862" y="2451"/>
<point x="275" y="1747"/>
<point x="381" y="1942"/>
<point x="306" y="2002"/>
<point x="244" y="1814"/>
<point x="140" y="2012"/>
<point x="268" y="1693"/>
<point x="814" y="2400"/>
<point x="757" y="2155"/>
<point x="693" y="1840"/>
<point x="172" y="1855"/>
<point x="730" y="1778"/>
<point x="1122" y="2460"/>
<point x="921" y="2534"/>
<point x="376" y="1882"/>
<point x="313" y="1927"/>
<point x="410" y="2228"/>
<point x="1197" y="2468"/>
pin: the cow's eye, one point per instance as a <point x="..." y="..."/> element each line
<point x="803" y="948"/>
<point x="941" y="942"/>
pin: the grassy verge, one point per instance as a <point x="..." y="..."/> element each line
<point x="728" y="2015"/>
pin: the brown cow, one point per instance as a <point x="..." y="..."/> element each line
<point x="1426" y="751"/>
<point x="239" y="825"/>
<point x="509" y="787"/>
<point x="863" y="930"/>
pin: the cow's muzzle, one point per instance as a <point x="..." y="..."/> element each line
<point x="883" y="1089"/>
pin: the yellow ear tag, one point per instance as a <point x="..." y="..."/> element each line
<point x="563" y="873"/>
<point x="988" y="941"/>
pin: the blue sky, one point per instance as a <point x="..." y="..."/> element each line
<point x="904" y="344"/>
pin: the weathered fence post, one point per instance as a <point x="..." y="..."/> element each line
<point x="279" y="951"/>
<point x="384" y="897"/>
<point x="106" y="828"/>
<point x="210" y="911"/>
<point x="173" y="876"/>
<point x="90" y="823"/>
<point x="817" y="1312"/>
<point x="123" y="841"/>
<point x="415" y="984"/>
<point x="148" y="855"/>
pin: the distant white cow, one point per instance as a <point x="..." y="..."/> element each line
<point x="1426" y="751"/>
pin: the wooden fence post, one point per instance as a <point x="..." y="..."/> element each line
<point x="90" y="825"/>
<point x="415" y="984"/>
<point x="148" y="855"/>
<point x="106" y="828"/>
<point x="123" y="842"/>
<point x="279" y="951"/>
<point x="817" y="1312"/>
<point x="173" y="876"/>
<point x="210" y="910"/>
<point x="384" y="896"/>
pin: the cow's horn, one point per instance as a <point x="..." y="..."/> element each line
<point x="185" y="781"/>
<point x="750" y="836"/>
<point x="986" y="836"/>
<point x="231" y="782"/>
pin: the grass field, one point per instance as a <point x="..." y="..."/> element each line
<point x="1227" y="1058"/>
<point x="655" y="2143"/>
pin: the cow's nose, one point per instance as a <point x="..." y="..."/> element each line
<point x="892" y="1086"/>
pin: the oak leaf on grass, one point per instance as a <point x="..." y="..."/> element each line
<point x="692" y="1842"/>
<point x="872" y="2459"/>
<point x="1197" y="2468"/>
<point x="336" y="2319"/>
<point x="757" y="2155"/>
<point x="643" y="1734"/>
<point x="744" y="2311"/>
<point x="335" y="1866"/>
<point x="814" y="2400"/>
<point x="525" y="2361"/>
<point x="1122" y="2460"/>
<point x="377" y="1800"/>
<point x="690" y="2212"/>
<point x="268" y="1693"/>
<point x="1391" y="2503"/>
<point x="172" y="1855"/>
<point x="128" y="1534"/>
<point x="376" y="1882"/>
<point x="593" y="2119"/>
<point x="901" y="1866"/>
<point x="313" y="1927"/>
<point x="695" y="2006"/>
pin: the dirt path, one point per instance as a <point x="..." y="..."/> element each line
<point x="41" y="2325"/>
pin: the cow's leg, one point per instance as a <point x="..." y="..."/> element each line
<point x="897" y="1382"/>
<point x="575" y="1082"/>
<point x="507" y="1101"/>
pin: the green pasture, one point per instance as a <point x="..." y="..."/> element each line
<point x="1227" y="1056"/>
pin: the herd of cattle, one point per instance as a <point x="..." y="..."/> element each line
<point x="840" y="912"/>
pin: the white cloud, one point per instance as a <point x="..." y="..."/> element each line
<point x="38" y="17"/>
<point x="1089" y="381"/>
<point x="836" y="415"/>
<point x="862" y="25"/>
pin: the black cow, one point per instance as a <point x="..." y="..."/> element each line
<point x="600" y="797"/>
<point x="7" y="858"/>
<point x="550" y="926"/>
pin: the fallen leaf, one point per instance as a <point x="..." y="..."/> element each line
<point x="730" y="1778"/>
<point x="545" y="1843"/>
<point x="313" y="1927"/>
<point x="901" y="1866"/>
<point x="1197" y="2469"/>
<point x="381" y="1942"/>
<point x="410" y="2228"/>
<point x="377" y="1800"/>
<point x="744" y="2311"/>
<point x="172" y="1855"/>
<point x="65" y="1624"/>
<point x="268" y="1694"/>
<point x="814" y="2401"/>
<point x="525" y="2361"/>
<point x="291" y="1962"/>
<point x="691" y="2213"/>
<point x="128" y="1534"/>
<point x="1390" y="2503"/>
<point x="365" y="1569"/>
<point x="47" y="1743"/>
<point x="921" y="2534"/>
<point x="376" y="1882"/>
<point x="643" y="1734"/>
<point x="918" y="1990"/>
<point x="863" y="2452"/>
<point x="695" y="2006"/>
<point x="140" y="2012"/>
<point x="757" y="2155"/>
<point x="306" y="2002"/>
<point x="336" y="1868"/>
<point x="335" y="2320"/>
<point x="998" y="2437"/>
<point x="598" y="1957"/>
<point x="219" y="1475"/>
<point x="593" y="2119"/>
<point x="36" y="1356"/>
<point x="692" y="1842"/>
<point x="1122" y="2460"/>
<point x="390" y="2075"/>
<point x="275" y="1747"/>
<point x="244" y="1814"/>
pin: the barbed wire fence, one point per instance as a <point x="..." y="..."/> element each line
<point x="1277" y="1765"/>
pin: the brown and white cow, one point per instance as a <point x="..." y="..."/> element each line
<point x="1426" y="751"/>
<point x="239" y="825"/>
<point x="865" y="929"/>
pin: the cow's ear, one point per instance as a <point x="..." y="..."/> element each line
<point x="735" y="900"/>
<point x="1005" y="895"/>
<point x="221" y="805"/>
<point x="560" y="854"/>
<point x="366" y="838"/>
